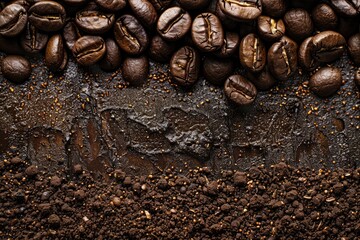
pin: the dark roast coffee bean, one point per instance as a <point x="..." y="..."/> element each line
<point x="216" y="70"/>
<point x="326" y="81"/>
<point x="324" y="17"/>
<point x="32" y="40"/>
<point x="54" y="54"/>
<point x="306" y="52"/>
<point x="13" y="19"/>
<point x="94" y="22"/>
<point x="160" y="5"/>
<point x="207" y="32"/>
<point x="111" y="5"/>
<point x="241" y="9"/>
<point x="174" y="23"/>
<point x="282" y="58"/>
<point x="24" y="3"/>
<point x="348" y="8"/>
<point x="263" y="80"/>
<point x="226" y="21"/>
<point x="184" y="66"/>
<point x="193" y="4"/>
<point x="135" y="70"/>
<point x="298" y="24"/>
<point x="252" y="53"/>
<point x="144" y="11"/>
<point x="71" y="34"/>
<point x="15" y="68"/>
<point x="230" y="46"/>
<point x="270" y="29"/>
<point x="329" y="46"/>
<point x="357" y="78"/>
<point x="112" y="59"/>
<point x="160" y="50"/>
<point x="240" y="90"/>
<point x="47" y="16"/>
<point x="354" y="48"/>
<point x="274" y="8"/>
<point x="130" y="35"/>
<point x="65" y="61"/>
<point x="75" y="3"/>
<point x="88" y="50"/>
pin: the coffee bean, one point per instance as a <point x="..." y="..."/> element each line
<point x="241" y="9"/>
<point x="306" y="52"/>
<point x="263" y="80"/>
<point x="47" y="16"/>
<point x="354" y="48"/>
<point x="326" y="81"/>
<point x="270" y="29"/>
<point x="193" y="4"/>
<point x="160" y="50"/>
<point x="135" y="70"/>
<point x="130" y="35"/>
<point x="357" y="78"/>
<point x="24" y="3"/>
<point x="240" y="90"/>
<point x="282" y="58"/>
<point x="252" y="53"/>
<point x="112" y="59"/>
<point x="88" y="50"/>
<point x="54" y="54"/>
<point x="184" y="66"/>
<point x="230" y="46"/>
<point x="324" y="17"/>
<point x="173" y="23"/>
<point x="226" y="21"/>
<point x="160" y="5"/>
<point x="13" y="19"/>
<point x="207" y="32"/>
<point x="75" y="3"/>
<point x="350" y="8"/>
<point x="15" y="68"/>
<point x="94" y="22"/>
<point x="71" y="34"/>
<point x="217" y="70"/>
<point x="329" y="46"/>
<point x="274" y="8"/>
<point x="32" y="40"/>
<point x="298" y="24"/>
<point x="144" y="11"/>
<point x="111" y="5"/>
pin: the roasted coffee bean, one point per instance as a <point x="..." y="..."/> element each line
<point x="252" y="53"/>
<point x="184" y="66"/>
<point x="71" y="34"/>
<point x="207" y="32"/>
<point x="174" y="23"/>
<point x="349" y="8"/>
<point x="144" y="11"/>
<point x="88" y="50"/>
<point x="298" y="24"/>
<point x="217" y="70"/>
<point x="329" y="46"/>
<point x="306" y="52"/>
<point x="241" y="9"/>
<point x="357" y="78"/>
<point x="13" y="20"/>
<point x="160" y="50"/>
<point x="160" y="5"/>
<point x="274" y="8"/>
<point x="130" y="35"/>
<point x="47" y="16"/>
<point x="282" y="58"/>
<point x="112" y="59"/>
<point x="226" y="21"/>
<point x="54" y="54"/>
<point x="32" y="40"/>
<point x="75" y="3"/>
<point x="193" y="4"/>
<point x="240" y="90"/>
<point x="230" y="46"/>
<point x="24" y="3"/>
<point x="15" y="68"/>
<point x="111" y="5"/>
<point x="263" y="80"/>
<point x="324" y="17"/>
<point x="354" y="48"/>
<point x="94" y="22"/>
<point x="135" y="70"/>
<point x="326" y="81"/>
<point x="270" y="29"/>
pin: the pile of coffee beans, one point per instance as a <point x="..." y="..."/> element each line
<point x="270" y="39"/>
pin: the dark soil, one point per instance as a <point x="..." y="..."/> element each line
<point x="280" y="202"/>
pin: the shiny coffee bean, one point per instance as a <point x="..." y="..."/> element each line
<point x="112" y="59"/>
<point x="111" y="5"/>
<point x="48" y="16"/>
<point x="160" y="50"/>
<point x="282" y="58"/>
<point x="135" y="70"/>
<point x="216" y="70"/>
<point x="54" y="53"/>
<point x="15" y="68"/>
<point x="298" y="24"/>
<point x="207" y="32"/>
<point x="324" y="17"/>
<point x="329" y="46"/>
<point x="88" y="50"/>
<point x="94" y="22"/>
<point x="350" y="8"/>
<point x="306" y="52"/>
<point x="274" y="8"/>
<point x="160" y="5"/>
<point x="173" y="23"/>
<point x="270" y="29"/>
<point x="263" y="80"/>
<point x="144" y="11"/>
<point x="230" y="46"/>
<point x="193" y="4"/>
<point x="354" y="48"/>
<point x="32" y="40"/>
<point x="252" y="53"/>
<point x="357" y="78"/>
<point x="241" y="9"/>
<point x="13" y="19"/>
<point x="130" y="35"/>
<point x="185" y="66"/>
<point x="24" y="3"/>
<point x="75" y="3"/>
<point x="326" y="81"/>
<point x="71" y="34"/>
<point x="226" y="21"/>
<point x="240" y="90"/>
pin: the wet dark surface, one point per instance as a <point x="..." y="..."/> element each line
<point x="91" y="117"/>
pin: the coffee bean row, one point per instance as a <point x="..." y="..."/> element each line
<point x="269" y="38"/>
